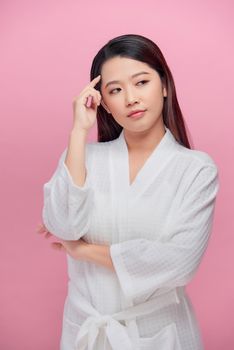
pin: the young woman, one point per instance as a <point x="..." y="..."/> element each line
<point x="134" y="210"/>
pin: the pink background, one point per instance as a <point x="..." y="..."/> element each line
<point x="46" y="52"/>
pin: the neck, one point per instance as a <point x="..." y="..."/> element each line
<point x="144" y="141"/>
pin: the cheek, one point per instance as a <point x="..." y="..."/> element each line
<point x="155" y="98"/>
<point x="116" y="105"/>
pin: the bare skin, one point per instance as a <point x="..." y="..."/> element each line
<point x="81" y="250"/>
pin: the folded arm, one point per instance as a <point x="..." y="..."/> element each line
<point x="143" y="266"/>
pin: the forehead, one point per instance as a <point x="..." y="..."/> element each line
<point x="122" y="67"/>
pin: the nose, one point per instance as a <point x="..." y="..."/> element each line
<point x="131" y="98"/>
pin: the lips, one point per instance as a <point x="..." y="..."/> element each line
<point x="136" y="111"/>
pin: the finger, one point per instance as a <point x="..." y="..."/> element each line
<point x="90" y="89"/>
<point x="41" y="228"/>
<point x="89" y="101"/>
<point x="96" y="98"/>
<point x="95" y="81"/>
<point x="90" y="98"/>
<point x="57" y="246"/>
<point x="95" y="101"/>
<point x="48" y="235"/>
<point x="89" y="92"/>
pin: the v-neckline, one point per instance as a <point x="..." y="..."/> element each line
<point x="156" y="160"/>
<point x="147" y="161"/>
<point x="144" y="164"/>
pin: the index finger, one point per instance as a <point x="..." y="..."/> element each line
<point x="95" y="81"/>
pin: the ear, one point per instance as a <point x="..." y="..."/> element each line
<point x="105" y="106"/>
<point x="164" y="90"/>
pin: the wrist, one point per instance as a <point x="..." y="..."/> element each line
<point x="87" y="252"/>
<point x="79" y="131"/>
<point x="100" y="255"/>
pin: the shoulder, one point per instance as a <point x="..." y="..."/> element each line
<point x="193" y="165"/>
<point x="195" y="157"/>
<point x="198" y="168"/>
<point x="98" y="148"/>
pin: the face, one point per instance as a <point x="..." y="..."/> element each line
<point x="132" y="91"/>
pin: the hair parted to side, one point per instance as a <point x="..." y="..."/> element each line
<point x="140" y="48"/>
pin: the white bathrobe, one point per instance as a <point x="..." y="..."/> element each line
<point x="157" y="229"/>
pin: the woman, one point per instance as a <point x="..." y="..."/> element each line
<point x="134" y="210"/>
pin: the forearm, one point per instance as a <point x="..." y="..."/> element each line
<point x="100" y="254"/>
<point x="75" y="158"/>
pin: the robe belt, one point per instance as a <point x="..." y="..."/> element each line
<point x="119" y="336"/>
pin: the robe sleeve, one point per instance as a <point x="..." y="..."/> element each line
<point x="143" y="266"/>
<point x="66" y="209"/>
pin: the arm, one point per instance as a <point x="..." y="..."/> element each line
<point x="99" y="254"/>
<point x="68" y="195"/>
<point x="144" y="266"/>
<point x="75" y="157"/>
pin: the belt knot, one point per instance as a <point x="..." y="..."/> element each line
<point x="101" y="320"/>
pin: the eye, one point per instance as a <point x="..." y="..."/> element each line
<point x="142" y="81"/>
<point x="111" y="92"/>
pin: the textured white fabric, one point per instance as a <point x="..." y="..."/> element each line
<point x="158" y="229"/>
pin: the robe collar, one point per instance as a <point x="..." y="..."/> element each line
<point x="119" y="158"/>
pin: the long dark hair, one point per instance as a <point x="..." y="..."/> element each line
<point x="142" y="49"/>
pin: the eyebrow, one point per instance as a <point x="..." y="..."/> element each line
<point x="117" y="81"/>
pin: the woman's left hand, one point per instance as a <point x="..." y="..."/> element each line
<point x="76" y="249"/>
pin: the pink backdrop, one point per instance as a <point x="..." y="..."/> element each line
<point x="46" y="52"/>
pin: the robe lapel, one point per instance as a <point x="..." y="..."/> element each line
<point x="119" y="163"/>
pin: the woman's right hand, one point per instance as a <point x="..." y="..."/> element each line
<point x="84" y="117"/>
